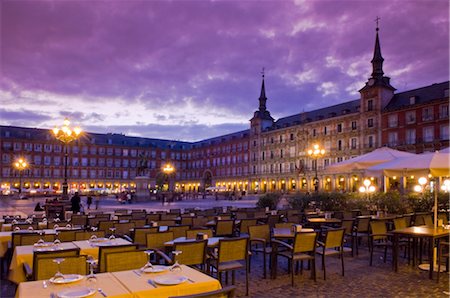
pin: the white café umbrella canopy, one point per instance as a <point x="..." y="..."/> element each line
<point x="367" y="160"/>
<point x="436" y="164"/>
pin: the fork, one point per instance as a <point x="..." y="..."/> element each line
<point x="101" y="292"/>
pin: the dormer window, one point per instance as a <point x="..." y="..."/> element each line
<point x="412" y="100"/>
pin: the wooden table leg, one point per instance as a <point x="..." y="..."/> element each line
<point x="431" y="256"/>
<point x="274" y="261"/>
<point x="395" y="253"/>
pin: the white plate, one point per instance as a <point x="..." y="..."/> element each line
<point x="169" y="280"/>
<point x="68" y="278"/>
<point x="78" y="292"/>
<point x="99" y="240"/>
<point x="156" y="269"/>
<point x="44" y="244"/>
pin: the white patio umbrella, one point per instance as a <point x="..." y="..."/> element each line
<point x="367" y="160"/>
<point x="436" y="164"/>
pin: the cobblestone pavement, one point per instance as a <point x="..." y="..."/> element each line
<point x="360" y="280"/>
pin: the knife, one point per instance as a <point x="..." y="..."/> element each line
<point x="151" y="282"/>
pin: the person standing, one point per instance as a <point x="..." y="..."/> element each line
<point x="97" y="201"/>
<point x="76" y="200"/>
<point x="89" y="202"/>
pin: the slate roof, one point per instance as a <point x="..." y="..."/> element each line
<point x="423" y="95"/>
<point x="320" y="114"/>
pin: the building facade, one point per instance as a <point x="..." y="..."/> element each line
<point x="270" y="156"/>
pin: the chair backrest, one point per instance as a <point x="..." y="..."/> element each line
<point x="294" y="218"/>
<point x="125" y="260"/>
<point x="53" y="224"/>
<point x="140" y="234"/>
<point x="123" y="228"/>
<point x="187" y="221"/>
<point x="178" y="231"/>
<point x="103" y="250"/>
<point x="67" y="235"/>
<point x="139" y="223"/>
<point x="272" y="220"/>
<point x="192" y="234"/>
<point x="157" y="240"/>
<point x="400" y="223"/>
<point x="138" y="214"/>
<point x="245" y="223"/>
<point x="241" y="215"/>
<point x="378" y="228"/>
<point x="259" y="231"/>
<point x="121" y="211"/>
<point x="443" y="216"/>
<point x="31" y="239"/>
<point x="17" y="238"/>
<point x="124" y="217"/>
<point x="193" y="253"/>
<point x="79" y="220"/>
<point x="199" y="221"/>
<point x="226" y="292"/>
<point x="46" y="268"/>
<point x="233" y="249"/>
<point x="37" y="255"/>
<point x="169" y="216"/>
<point x="85" y="235"/>
<point x="305" y="242"/>
<point x="348" y="225"/>
<point x="363" y="224"/>
<point x="166" y="223"/>
<point x="408" y="218"/>
<point x="105" y="225"/>
<point x="25" y="226"/>
<point x="225" y="227"/>
<point x="281" y="225"/>
<point x="334" y="238"/>
<point x="152" y="217"/>
<point x="428" y="219"/>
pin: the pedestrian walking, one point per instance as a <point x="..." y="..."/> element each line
<point x="89" y="202"/>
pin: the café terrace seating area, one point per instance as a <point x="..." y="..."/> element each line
<point x="223" y="252"/>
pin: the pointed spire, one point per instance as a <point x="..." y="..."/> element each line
<point x="377" y="60"/>
<point x="262" y="96"/>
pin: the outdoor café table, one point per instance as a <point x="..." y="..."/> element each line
<point x="212" y="242"/>
<point x="138" y="283"/>
<point x="321" y="221"/>
<point x="281" y="234"/>
<point x="24" y="254"/>
<point x="91" y="248"/>
<point x="5" y="239"/>
<point x="419" y="232"/>
<point x="105" y="281"/>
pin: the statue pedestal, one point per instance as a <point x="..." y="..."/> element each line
<point x="142" y="188"/>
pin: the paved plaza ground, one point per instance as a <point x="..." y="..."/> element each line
<point x="360" y="279"/>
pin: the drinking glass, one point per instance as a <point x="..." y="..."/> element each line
<point x="112" y="237"/>
<point x="58" y="275"/>
<point x="176" y="267"/>
<point x="91" y="279"/>
<point x="148" y="265"/>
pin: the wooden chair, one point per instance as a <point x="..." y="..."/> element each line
<point x="193" y="253"/>
<point x="199" y="221"/>
<point x="24" y="226"/>
<point x="287" y="225"/>
<point x="86" y="235"/>
<point x="444" y="247"/>
<point x="226" y="292"/>
<point x="67" y="235"/>
<point x="103" y="250"/>
<point x="125" y="260"/>
<point x="333" y="245"/>
<point x="178" y="231"/>
<point x="224" y="228"/>
<point x="260" y="242"/>
<point x="46" y="267"/>
<point x="140" y="235"/>
<point x="33" y="238"/>
<point x="155" y="241"/>
<point x="362" y="231"/>
<point x="139" y="223"/>
<point x="232" y="254"/>
<point x="349" y="226"/>
<point x="106" y="225"/>
<point x="79" y="220"/>
<point x="379" y="237"/>
<point x="152" y="217"/>
<point x="37" y="255"/>
<point x="192" y="234"/>
<point x="245" y="224"/>
<point x="123" y="228"/>
<point x="303" y="249"/>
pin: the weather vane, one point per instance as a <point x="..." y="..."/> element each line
<point x="377" y="20"/>
<point x="262" y="72"/>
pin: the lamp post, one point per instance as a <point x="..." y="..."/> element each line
<point x="315" y="153"/>
<point x="367" y="188"/>
<point x="20" y="165"/>
<point x="168" y="169"/>
<point x="65" y="134"/>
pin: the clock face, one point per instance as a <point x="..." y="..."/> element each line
<point x="371" y="82"/>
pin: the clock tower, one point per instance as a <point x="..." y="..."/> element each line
<point x="375" y="96"/>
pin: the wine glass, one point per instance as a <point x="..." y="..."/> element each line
<point x="91" y="279"/>
<point x="148" y="265"/>
<point x="112" y="237"/>
<point x="176" y="267"/>
<point x="56" y="242"/>
<point x="58" y="275"/>
<point x="57" y="217"/>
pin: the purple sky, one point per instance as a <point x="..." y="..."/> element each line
<point x="190" y="70"/>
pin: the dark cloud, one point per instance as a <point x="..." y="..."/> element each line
<point x="167" y="55"/>
<point x="23" y="117"/>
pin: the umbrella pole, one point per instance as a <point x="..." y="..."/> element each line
<point x="426" y="267"/>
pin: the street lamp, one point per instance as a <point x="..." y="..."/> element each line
<point x="446" y="185"/>
<point x="315" y="153"/>
<point x="65" y="134"/>
<point x="20" y="164"/>
<point x="168" y="169"/>
<point x="367" y="188"/>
